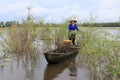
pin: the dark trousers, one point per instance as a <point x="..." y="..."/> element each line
<point x="71" y="37"/>
<point x="73" y="40"/>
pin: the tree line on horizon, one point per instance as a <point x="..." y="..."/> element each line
<point x="107" y="24"/>
<point x="95" y="24"/>
<point x="8" y="23"/>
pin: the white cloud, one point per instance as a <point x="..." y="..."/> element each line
<point x="110" y="4"/>
<point x="57" y="10"/>
<point x="13" y="11"/>
<point x="109" y="10"/>
<point x="14" y="7"/>
<point x="56" y="14"/>
<point x="39" y="11"/>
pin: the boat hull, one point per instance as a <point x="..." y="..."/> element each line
<point x="55" y="57"/>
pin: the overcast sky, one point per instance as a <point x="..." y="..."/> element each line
<point x="57" y="10"/>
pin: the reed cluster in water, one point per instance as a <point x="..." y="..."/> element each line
<point x="19" y="39"/>
<point x="101" y="51"/>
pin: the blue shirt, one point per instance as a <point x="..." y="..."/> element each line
<point x="72" y="27"/>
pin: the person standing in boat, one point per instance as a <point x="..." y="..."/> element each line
<point x="72" y="28"/>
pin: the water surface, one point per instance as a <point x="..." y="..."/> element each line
<point x="39" y="69"/>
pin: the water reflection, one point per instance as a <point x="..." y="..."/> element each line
<point x="67" y="70"/>
<point x="73" y="71"/>
<point x="52" y="71"/>
<point x="26" y="68"/>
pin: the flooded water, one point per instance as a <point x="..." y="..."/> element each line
<point x="39" y="69"/>
<point x="67" y="70"/>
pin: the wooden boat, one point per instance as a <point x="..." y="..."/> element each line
<point x="60" y="54"/>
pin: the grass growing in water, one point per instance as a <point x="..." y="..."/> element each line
<point x="100" y="52"/>
<point x="20" y="40"/>
<point x="61" y="34"/>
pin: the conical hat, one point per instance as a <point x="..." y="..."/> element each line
<point x="73" y="20"/>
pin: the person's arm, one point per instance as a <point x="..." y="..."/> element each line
<point x="77" y="27"/>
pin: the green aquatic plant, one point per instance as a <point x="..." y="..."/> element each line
<point x="61" y="34"/>
<point x="100" y="51"/>
<point x="20" y="38"/>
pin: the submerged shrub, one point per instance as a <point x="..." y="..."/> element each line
<point x="20" y="39"/>
<point x="61" y="34"/>
<point x="100" y="51"/>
